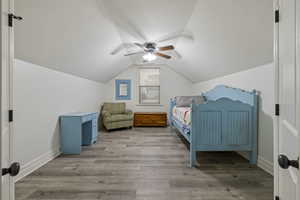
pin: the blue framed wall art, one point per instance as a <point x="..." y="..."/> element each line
<point x="123" y="89"/>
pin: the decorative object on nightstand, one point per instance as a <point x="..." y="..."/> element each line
<point x="148" y="119"/>
<point x="115" y="115"/>
<point x="77" y="129"/>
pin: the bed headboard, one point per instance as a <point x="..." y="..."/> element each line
<point x="222" y="91"/>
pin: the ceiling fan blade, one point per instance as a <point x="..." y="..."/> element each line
<point x="166" y="48"/>
<point x="114" y="13"/>
<point x="175" y="35"/>
<point x="177" y="54"/>
<point x="134" y="53"/>
<point x="139" y="45"/>
<point x="121" y="47"/>
<point x="163" y="55"/>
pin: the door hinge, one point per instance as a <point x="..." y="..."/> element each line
<point x="277" y="109"/>
<point x="277" y="16"/>
<point x="10" y="115"/>
<point x="277" y="198"/>
<point x="11" y="18"/>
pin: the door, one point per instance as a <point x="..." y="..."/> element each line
<point x="7" y="59"/>
<point x="5" y="155"/>
<point x="288" y="186"/>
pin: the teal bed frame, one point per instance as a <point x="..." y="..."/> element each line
<point x="226" y="122"/>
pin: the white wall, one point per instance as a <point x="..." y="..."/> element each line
<point x="262" y="79"/>
<point x="40" y="96"/>
<point x="171" y="84"/>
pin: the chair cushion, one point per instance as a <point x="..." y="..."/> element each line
<point x="118" y="118"/>
<point x="114" y="108"/>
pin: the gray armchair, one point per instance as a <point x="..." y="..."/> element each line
<point x="115" y="115"/>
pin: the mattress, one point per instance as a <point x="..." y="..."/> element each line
<point x="182" y="114"/>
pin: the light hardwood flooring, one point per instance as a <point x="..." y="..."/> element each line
<point x="145" y="164"/>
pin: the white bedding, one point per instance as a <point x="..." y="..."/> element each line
<point x="183" y="114"/>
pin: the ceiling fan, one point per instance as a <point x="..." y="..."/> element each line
<point x="151" y="50"/>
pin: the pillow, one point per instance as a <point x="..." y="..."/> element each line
<point x="186" y="101"/>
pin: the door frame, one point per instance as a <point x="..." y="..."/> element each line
<point x="277" y="86"/>
<point x="298" y="75"/>
<point x="9" y="51"/>
<point x="276" y="100"/>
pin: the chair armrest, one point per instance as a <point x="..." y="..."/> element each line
<point x="105" y="114"/>
<point x="128" y="112"/>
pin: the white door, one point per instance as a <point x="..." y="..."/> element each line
<point x="7" y="56"/>
<point x="288" y="146"/>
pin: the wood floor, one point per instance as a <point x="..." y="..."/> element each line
<point x="145" y="164"/>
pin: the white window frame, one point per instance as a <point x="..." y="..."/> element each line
<point x="139" y="87"/>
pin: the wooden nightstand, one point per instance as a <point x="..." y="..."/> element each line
<point x="157" y="119"/>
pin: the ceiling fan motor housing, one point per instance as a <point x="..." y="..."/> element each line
<point x="150" y="47"/>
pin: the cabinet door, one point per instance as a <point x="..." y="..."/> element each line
<point x="95" y="129"/>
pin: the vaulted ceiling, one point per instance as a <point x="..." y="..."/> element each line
<point x="78" y="36"/>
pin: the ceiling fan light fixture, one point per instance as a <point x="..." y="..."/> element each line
<point x="149" y="57"/>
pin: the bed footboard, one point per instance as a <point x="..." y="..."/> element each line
<point x="225" y="124"/>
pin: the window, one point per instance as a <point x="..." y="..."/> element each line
<point x="149" y="86"/>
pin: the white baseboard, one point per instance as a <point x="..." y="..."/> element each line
<point x="36" y="163"/>
<point x="265" y="165"/>
<point x="261" y="163"/>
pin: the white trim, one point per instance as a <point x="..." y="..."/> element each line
<point x="11" y="49"/>
<point x="276" y="119"/>
<point x="262" y="163"/>
<point x="298" y="81"/>
<point x="265" y="165"/>
<point x="36" y="163"/>
<point x="147" y="105"/>
<point x="7" y="54"/>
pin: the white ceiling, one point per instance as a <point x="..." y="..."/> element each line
<point x="77" y="36"/>
<point x="229" y="36"/>
<point x="70" y="36"/>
